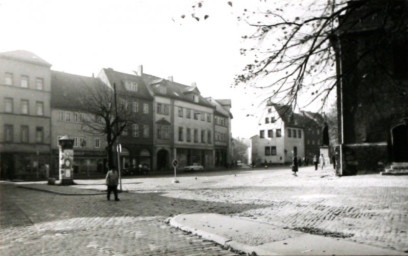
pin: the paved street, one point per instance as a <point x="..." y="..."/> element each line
<point x="368" y="209"/>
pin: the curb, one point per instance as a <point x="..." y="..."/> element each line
<point x="225" y="242"/>
<point x="59" y="193"/>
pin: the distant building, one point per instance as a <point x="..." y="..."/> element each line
<point x="185" y="124"/>
<point x="283" y="133"/>
<point x="25" y="115"/>
<point x="68" y="112"/>
<point x="222" y="132"/>
<point x="372" y="60"/>
<point x="137" y="139"/>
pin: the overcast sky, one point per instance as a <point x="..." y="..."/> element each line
<point x="84" y="36"/>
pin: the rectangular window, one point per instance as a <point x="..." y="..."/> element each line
<point x="294" y="133"/>
<point x="39" y="108"/>
<point x="196" y="115"/>
<point x="135" y="130"/>
<point x="24" y="134"/>
<point x="180" y="134"/>
<point x="262" y="134"/>
<point x="289" y="133"/>
<point x="145" y="108"/>
<point x="39" y="83"/>
<point x="166" y="109"/>
<point x="202" y="136"/>
<point x="8" y="106"/>
<point x="300" y="133"/>
<point x="180" y="112"/>
<point x="273" y="151"/>
<point x="209" y="137"/>
<point x="24" y="107"/>
<point x="135" y="107"/>
<point x="163" y="132"/>
<point x="82" y="142"/>
<point x="266" y="120"/>
<point x="8" y="78"/>
<point x="195" y="136"/>
<point x="39" y="134"/>
<point x="146" y="131"/>
<point x="24" y="81"/>
<point x="8" y="133"/>
<point x="209" y="118"/>
<point x="278" y="133"/>
<point x="195" y="98"/>
<point x="202" y="116"/>
<point x="267" y="151"/>
<point x="76" y="142"/>
<point x="270" y="133"/>
<point x="68" y="116"/>
<point x="188" y="114"/>
<point x="159" y="108"/>
<point x="76" y="118"/>
<point x="97" y="143"/>
<point x="188" y="135"/>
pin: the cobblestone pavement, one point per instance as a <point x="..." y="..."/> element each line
<point x="38" y="223"/>
<point x="369" y="209"/>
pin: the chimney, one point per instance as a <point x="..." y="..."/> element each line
<point x="170" y="78"/>
<point x="93" y="75"/>
<point x="194" y="84"/>
<point x="140" y="70"/>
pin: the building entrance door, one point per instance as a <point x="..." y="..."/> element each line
<point x="400" y="143"/>
<point x="162" y="159"/>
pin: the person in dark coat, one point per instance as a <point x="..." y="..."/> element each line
<point x="315" y="161"/>
<point x="112" y="180"/>
<point x="295" y="165"/>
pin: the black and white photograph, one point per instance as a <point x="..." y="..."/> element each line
<point x="203" y="127"/>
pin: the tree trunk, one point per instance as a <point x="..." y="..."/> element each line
<point x="109" y="152"/>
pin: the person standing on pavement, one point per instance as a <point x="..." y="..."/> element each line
<point x="295" y="165"/>
<point x="112" y="180"/>
<point x="321" y="161"/>
<point x="315" y="162"/>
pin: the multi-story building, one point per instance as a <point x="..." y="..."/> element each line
<point x="69" y="110"/>
<point x="184" y="123"/>
<point x="137" y="139"/>
<point x="222" y="132"/>
<point x="283" y="133"/>
<point x="25" y="115"/>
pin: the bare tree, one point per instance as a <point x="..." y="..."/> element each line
<point x="296" y="42"/>
<point x="109" y="115"/>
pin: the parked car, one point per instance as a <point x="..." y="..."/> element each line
<point x="194" y="167"/>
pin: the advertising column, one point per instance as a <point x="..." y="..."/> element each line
<point x="66" y="160"/>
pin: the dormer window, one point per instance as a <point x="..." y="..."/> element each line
<point x="162" y="90"/>
<point x="195" y="98"/>
<point x="131" y="86"/>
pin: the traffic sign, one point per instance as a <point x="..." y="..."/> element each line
<point x="175" y="163"/>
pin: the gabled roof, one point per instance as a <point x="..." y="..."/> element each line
<point x="174" y="90"/>
<point x="120" y="78"/>
<point x="67" y="90"/>
<point x="26" y="56"/>
<point x="290" y="118"/>
<point x="219" y="108"/>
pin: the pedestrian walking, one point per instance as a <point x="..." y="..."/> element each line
<point x="295" y="165"/>
<point x="321" y="161"/>
<point x="334" y="161"/>
<point x="112" y="180"/>
<point x="315" y="162"/>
